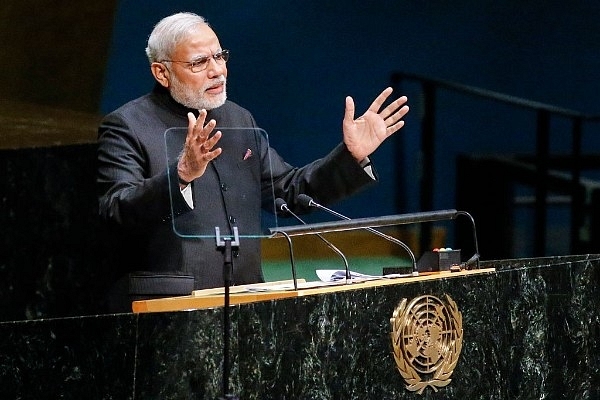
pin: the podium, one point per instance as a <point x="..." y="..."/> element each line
<point x="529" y="331"/>
<point x="208" y="298"/>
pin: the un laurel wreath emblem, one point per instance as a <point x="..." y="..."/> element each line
<point x="427" y="339"/>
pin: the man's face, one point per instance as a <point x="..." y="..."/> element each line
<point x="205" y="89"/>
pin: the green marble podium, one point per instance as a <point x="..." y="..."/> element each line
<point x="530" y="330"/>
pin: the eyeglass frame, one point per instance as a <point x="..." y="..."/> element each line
<point x="220" y="57"/>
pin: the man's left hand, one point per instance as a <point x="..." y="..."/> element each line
<point x="363" y="135"/>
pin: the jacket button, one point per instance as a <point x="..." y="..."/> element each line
<point x="232" y="219"/>
<point x="224" y="187"/>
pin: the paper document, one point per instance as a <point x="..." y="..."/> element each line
<point x="333" y="275"/>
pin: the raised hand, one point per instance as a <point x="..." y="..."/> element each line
<point x="198" y="148"/>
<point x="363" y="135"/>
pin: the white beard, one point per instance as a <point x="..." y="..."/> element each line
<point x="197" y="99"/>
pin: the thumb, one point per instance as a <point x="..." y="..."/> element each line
<point x="349" y="111"/>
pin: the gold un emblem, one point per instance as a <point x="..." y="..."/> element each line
<point x="427" y="340"/>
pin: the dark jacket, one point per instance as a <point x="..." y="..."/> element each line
<point x="151" y="227"/>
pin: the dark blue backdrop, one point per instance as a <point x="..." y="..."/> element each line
<point x="293" y="62"/>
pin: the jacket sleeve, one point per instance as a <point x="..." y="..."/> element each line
<point x="327" y="180"/>
<point x="127" y="194"/>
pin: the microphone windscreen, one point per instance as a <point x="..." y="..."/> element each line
<point x="305" y="200"/>
<point x="280" y="204"/>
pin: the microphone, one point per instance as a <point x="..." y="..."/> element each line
<point x="281" y="205"/>
<point x="307" y="201"/>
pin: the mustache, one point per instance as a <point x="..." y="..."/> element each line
<point x="219" y="80"/>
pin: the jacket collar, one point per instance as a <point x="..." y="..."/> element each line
<point x="163" y="96"/>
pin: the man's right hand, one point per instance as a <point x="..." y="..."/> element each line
<point x="198" y="148"/>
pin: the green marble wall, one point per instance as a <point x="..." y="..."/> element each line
<point x="50" y="247"/>
<point x="531" y="331"/>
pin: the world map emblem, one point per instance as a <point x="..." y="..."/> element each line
<point x="427" y="337"/>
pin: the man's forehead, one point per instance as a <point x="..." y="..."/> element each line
<point x="202" y="39"/>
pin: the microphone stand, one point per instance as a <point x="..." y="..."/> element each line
<point x="476" y="256"/>
<point x="311" y="203"/>
<point x="284" y="207"/>
<point x="387" y="220"/>
<point x="291" y="251"/>
<point x="226" y="245"/>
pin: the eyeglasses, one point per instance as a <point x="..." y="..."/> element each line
<point x="201" y="63"/>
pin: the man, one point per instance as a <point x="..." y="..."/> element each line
<point x="211" y="183"/>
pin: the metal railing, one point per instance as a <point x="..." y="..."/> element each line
<point x="542" y="157"/>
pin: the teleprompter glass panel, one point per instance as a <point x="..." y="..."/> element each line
<point x="235" y="191"/>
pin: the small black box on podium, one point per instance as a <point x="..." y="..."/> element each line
<point x="438" y="260"/>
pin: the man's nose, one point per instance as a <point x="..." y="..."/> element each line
<point x="215" y="69"/>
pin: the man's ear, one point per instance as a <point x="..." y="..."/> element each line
<point x="160" y="73"/>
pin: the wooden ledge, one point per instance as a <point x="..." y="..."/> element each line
<point x="211" y="298"/>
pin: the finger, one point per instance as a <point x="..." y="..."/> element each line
<point x="204" y="133"/>
<point x="379" y="100"/>
<point x="394" y="128"/>
<point x="200" y="121"/>
<point x="211" y="155"/>
<point x="349" y="110"/>
<point x="393" y="106"/>
<point x="191" y="124"/>
<point x="212" y="141"/>
<point x="397" y="115"/>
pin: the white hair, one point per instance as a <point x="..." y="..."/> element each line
<point x="168" y="32"/>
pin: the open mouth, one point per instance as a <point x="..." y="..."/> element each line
<point x="216" y="88"/>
